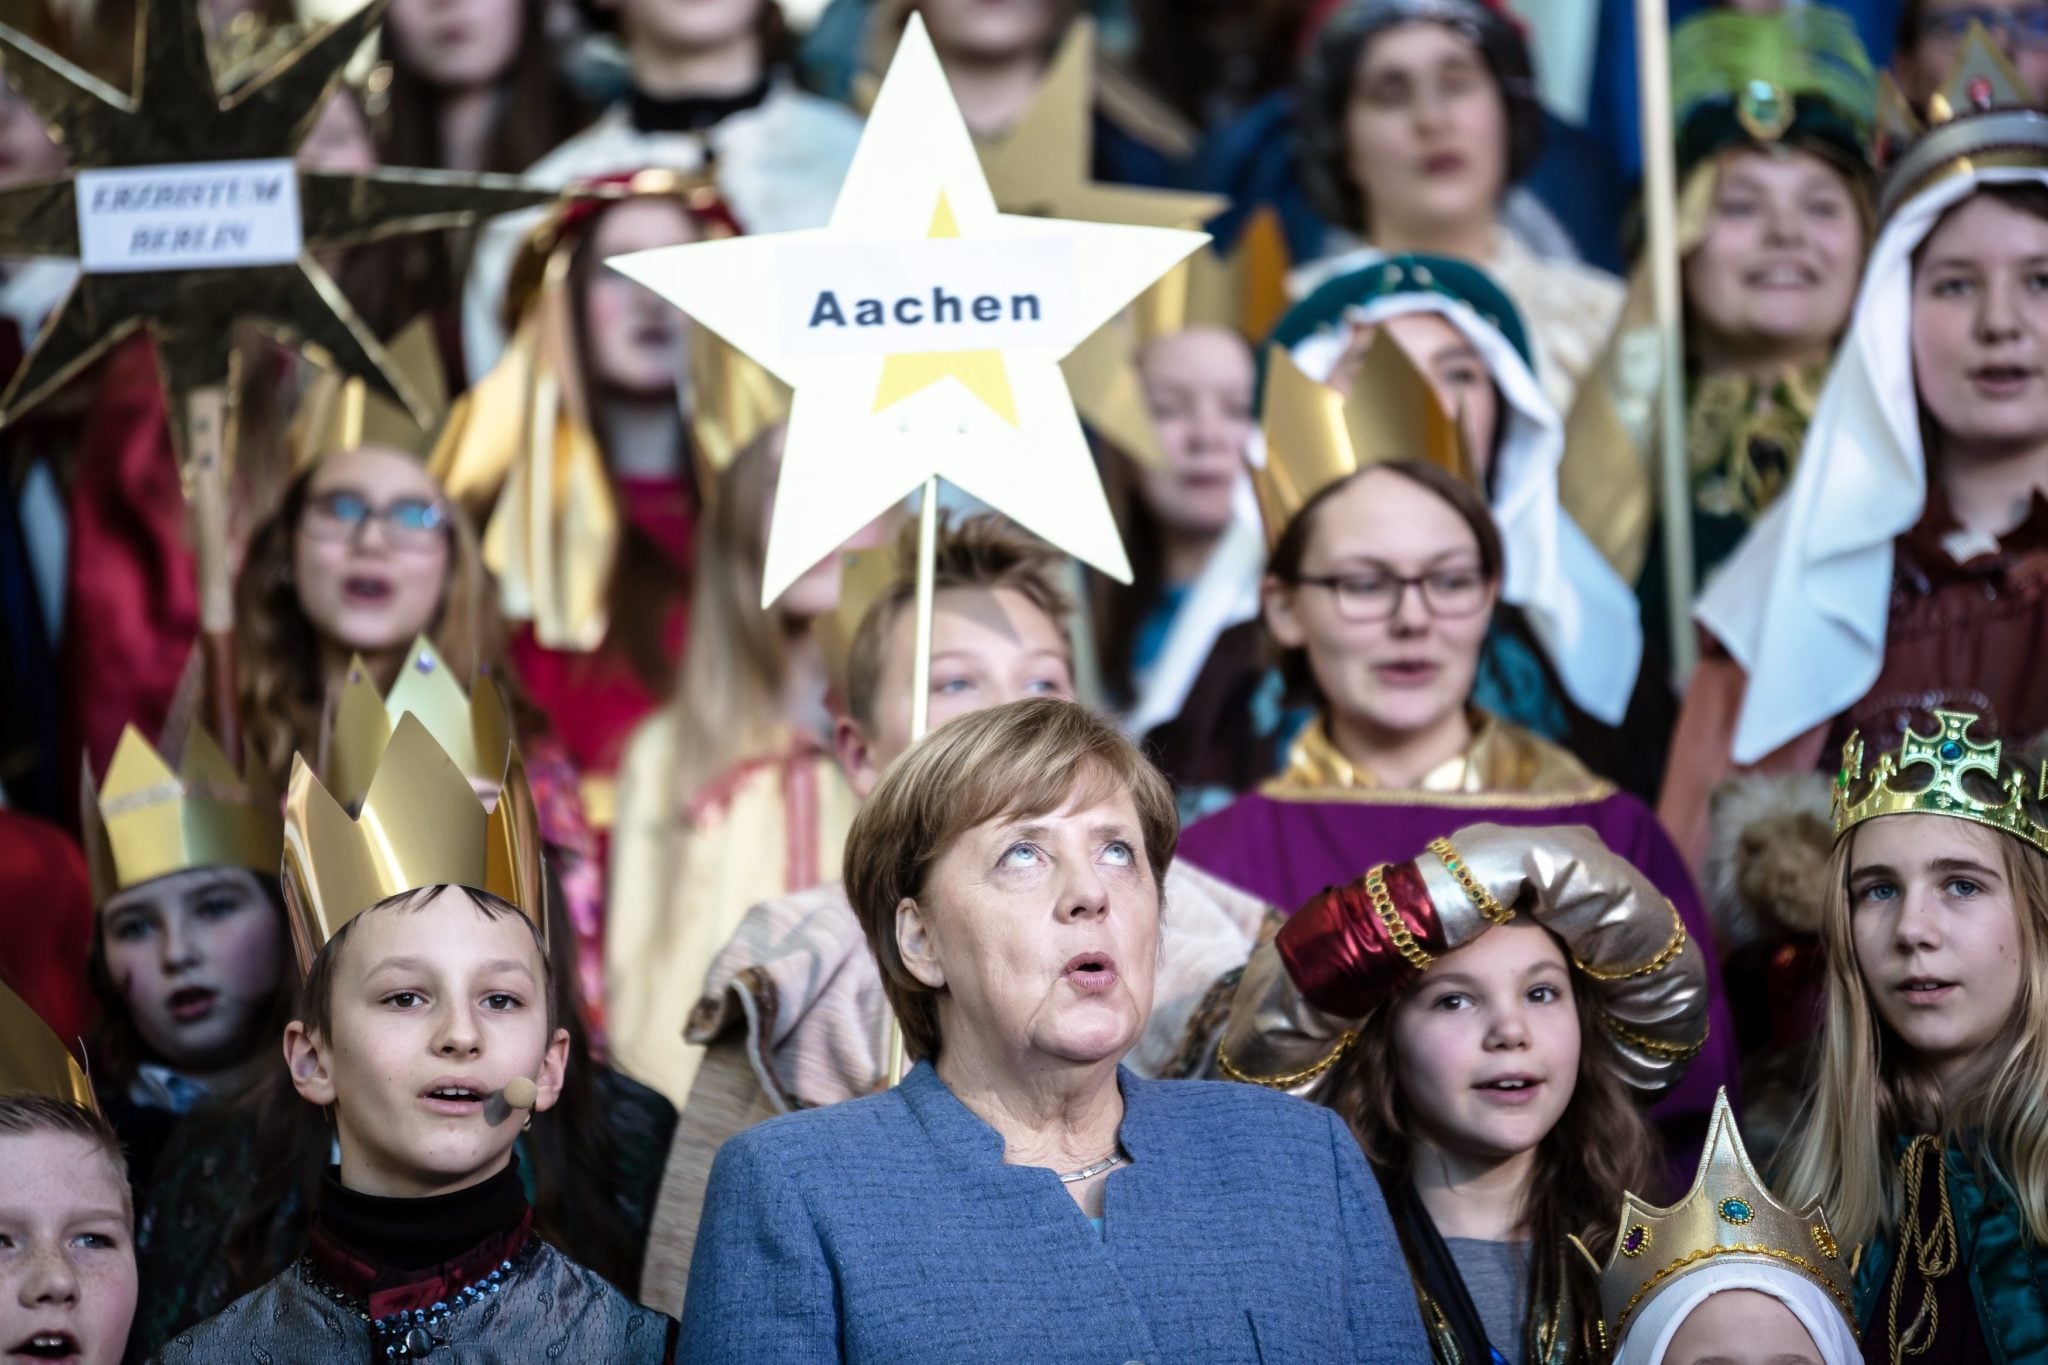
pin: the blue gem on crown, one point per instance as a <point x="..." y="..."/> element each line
<point x="1951" y="756"/>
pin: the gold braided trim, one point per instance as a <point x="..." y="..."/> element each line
<point x="1292" y="1078"/>
<point x="1656" y="1047"/>
<point x="1692" y="1258"/>
<point x="1482" y="899"/>
<point x="1397" y="930"/>
<point x="1655" y="964"/>
<point x="1292" y="790"/>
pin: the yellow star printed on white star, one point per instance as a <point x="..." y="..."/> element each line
<point x="905" y="325"/>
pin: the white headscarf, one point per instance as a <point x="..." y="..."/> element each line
<point x="1587" y="619"/>
<point x="1649" y="1335"/>
<point x="1802" y="603"/>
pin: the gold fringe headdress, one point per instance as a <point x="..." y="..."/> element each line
<point x="34" y="1062"/>
<point x="474" y="728"/>
<point x="147" y="818"/>
<point x="522" y="440"/>
<point x="421" y="825"/>
<point x="1949" y="755"/>
<point x="1729" y="1215"/>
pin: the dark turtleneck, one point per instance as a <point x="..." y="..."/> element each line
<point x="690" y="113"/>
<point x="409" y="1235"/>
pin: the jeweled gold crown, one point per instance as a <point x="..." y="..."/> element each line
<point x="1950" y="755"/>
<point x="1981" y="117"/>
<point x="144" y="820"/>
<point x="1316" y="435"/>
<point x="33" y="1061"/>
<point x="421" y="825"/>
<point x="473" y="728"/>
<point x="1728" y="1214"/>
<point x="339" y="412"/>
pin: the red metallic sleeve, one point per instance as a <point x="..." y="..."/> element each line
<point x="1340" y="951"/>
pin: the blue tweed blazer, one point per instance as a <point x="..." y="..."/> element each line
<point x="888" y="1229"/>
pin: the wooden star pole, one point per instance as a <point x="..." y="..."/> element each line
<point x="177" y="119"/>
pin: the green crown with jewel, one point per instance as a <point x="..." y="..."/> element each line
<point x="1951" y="755"/>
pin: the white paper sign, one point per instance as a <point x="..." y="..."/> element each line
<point x="889" y="298"/>
<point x="188" y="216"/>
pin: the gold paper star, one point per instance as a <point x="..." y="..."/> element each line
<point x="176" y="115"/>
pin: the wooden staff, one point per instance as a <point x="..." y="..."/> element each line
<point x="1660" y="197"/>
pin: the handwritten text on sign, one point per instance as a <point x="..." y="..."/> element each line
<point x="948" y="294"/>
<point x="201" y="215"/>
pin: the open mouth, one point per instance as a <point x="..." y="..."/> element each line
<point x="457" y="1096"/>
<point x="1783" y="277"/>
<point x="1925" y="990"/>
<point x="1443" y="163"/>
<point x="363" y="590"/>
<point x="191" y="1003"/>
<point x="2000" y="379"/>
<point x="1407" y="672"/>
<point x="47" y="1346"/>
<point x="1510" y="1090"/>
<point x="1090" y="972"/>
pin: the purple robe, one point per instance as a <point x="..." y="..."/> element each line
<point x="1287" y="848"/>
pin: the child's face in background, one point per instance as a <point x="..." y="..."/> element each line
<point x="67" y="1250"/>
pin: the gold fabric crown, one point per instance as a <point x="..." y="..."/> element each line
<point x="146" y="820"/>
<point x="420" y="825"/>
<point x="1728" y="1213"/>
<point x="1316" y="435"/>
<point x="33" y="1061"/>
<point x="473" y="728"/>
<point x="1981" y="117"/>
<point x="1952" y="755"/>
<point x="339" y="412"/>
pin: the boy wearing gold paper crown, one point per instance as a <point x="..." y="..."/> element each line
<point x="1925" y="1135"/>
<point x="67" y="1252"/>
<point x="427" y="1031"/>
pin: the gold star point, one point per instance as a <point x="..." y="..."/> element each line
<point x="981" y="373"/>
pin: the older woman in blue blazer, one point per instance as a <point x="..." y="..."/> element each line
<point x="1020" y="1197"/>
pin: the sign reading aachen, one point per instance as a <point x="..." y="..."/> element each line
<point x="892" y="298"/>
<point x="188" y="216"/>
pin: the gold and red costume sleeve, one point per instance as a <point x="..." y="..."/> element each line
<point x="1355" y="946"/>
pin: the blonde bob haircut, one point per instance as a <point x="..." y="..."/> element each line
<point x="1020" y="760"/>
<point x="1870" y="1088"/>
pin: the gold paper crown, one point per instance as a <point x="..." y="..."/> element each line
<point x="1245" y="291"/>
<point x="33" y="1061"/>
<point x="1728" y="1214"/>
<point x="1981" y="117"/>
<point x="865" y="578"/>
<point x="1316" y="435"/>
<point x="339" y="412"/>
<point x="1951" y="755"/>
<point x="145" y="820"/>
<point x="473" y="728"/>
<point x="420" y="825"/>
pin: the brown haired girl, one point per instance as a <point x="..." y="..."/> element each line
<point x="1486" y="1017"/>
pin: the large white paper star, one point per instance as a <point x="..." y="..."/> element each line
<point x="920" y="388"/>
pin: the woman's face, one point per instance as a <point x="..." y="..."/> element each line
<point x="1936" y="925"/>
<point x="1742" y="1327"/>
<point x="195" y="957"/>
<point x="1980" y="326"/>
<point x="1426" y="131"/>
<point x="637" y="338"/>
<point x="991" y="30"/>
<point x="1406" y="673"/>
<point x="371" y="553"/>
<point x="1777" y="268"/>
<point x="1486" y="1046"/>
<point x="1198" y="386"/>
<point x="1042" y="932"/>
<point x="1455" y="368"/>
<point x="67" y="1254"/>
<point x="457" y="44"/>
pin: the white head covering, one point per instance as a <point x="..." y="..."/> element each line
<point x="1586" y="618"/>
<point x="1802" y="603"/>
<point x="1649" y="1334"/>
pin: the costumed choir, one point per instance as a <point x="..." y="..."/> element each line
<point x="483" y="926"/>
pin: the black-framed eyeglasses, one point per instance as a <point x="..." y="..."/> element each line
<point x="340" y="514"/>
<point x="1363" y="598"/>
<point x="2025" y="27"/>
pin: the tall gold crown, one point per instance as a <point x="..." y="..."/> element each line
<point x="421" y="825"/>
<point x="146" y="820"/>
<point x="1244" y="291"/>
<point x="339" y="412"/>
<point x="1981" y="117"/>
<point x="1316" y="435"/>
<point x="473" y="728"/>
<point x="1728" y="1214"/>
<point x="33" y="1061"/>
<point x="1951" y="755"/>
